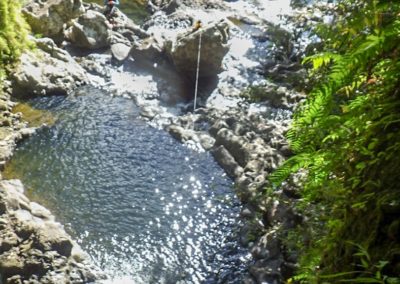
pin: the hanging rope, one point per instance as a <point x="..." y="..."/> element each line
<point x="197" y="73"/>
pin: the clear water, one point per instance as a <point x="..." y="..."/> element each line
<point x="146" y="208"/>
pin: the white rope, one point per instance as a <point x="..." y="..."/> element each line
<point x="197" y="73"/>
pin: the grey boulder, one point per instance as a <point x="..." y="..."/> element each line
<point x="183" y="51"/>
<point x="47" y="71"/>
<point x="47" y="17"/>
<point x="91" y="31"/>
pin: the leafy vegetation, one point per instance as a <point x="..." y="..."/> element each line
<point x="346" y="136"/>
<point x="13" y="33"/>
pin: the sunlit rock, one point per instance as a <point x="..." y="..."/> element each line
<point x="183" y="52"/>
<point x="148" y="49"/>
<point x="46" y="71"/>
<point x="91" y="31"/>
<point x="48" y="17"/>
<point x="34" y="246"/>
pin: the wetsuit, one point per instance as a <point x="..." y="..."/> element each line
<point x="110" y="7"/>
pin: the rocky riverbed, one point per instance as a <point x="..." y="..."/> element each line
<point x="239" y="47"/>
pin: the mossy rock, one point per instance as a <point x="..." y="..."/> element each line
<point x="34" y="117"/>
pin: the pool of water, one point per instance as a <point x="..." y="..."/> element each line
<point x="146" y="208"/>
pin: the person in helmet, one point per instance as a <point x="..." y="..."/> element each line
<point x="110" y="7"/>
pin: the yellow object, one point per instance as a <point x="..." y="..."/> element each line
<point x="197" y="25"/>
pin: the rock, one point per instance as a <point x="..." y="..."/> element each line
<point x="181" y="133"/>
<point x="149" y="112"/>
<point x="233" y="143"/>
<point x="247" y="213"/>
<point x="47" y="17"/>
<point x="16" y="279"/>
<point x="27" y="132"/>
<point x="91" y="31"/>
<point x="47" y="45"/>
<point x="206" y="141"/>
<point x="226" y="161"/>
<point x="50" y="71"/>
<point x="120" y="51"/>
<point x="52" y="237"/>
<point x="8" y="239"/>
<point x="218" y="125"/>
<point x="264" y="274"/>
<point x="267" y="247"/>
<point x="41" y="212"/>
<point x="148" y="49"/>
<point x="10" y="264"/>
<point x="33" y="247"/>
<point x="254" y="166"/>
<point x="183" y="51"/>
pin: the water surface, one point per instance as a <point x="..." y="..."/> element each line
<point x="146" y="208"/>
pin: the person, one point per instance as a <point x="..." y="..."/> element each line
<point x="197" y="25"/>
<point x="110" y="7"/>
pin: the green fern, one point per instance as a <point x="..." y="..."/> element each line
<point x="347" y="138"/>
<point x="13" y="32"/>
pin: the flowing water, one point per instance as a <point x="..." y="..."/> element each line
<point x="146" y="208"/>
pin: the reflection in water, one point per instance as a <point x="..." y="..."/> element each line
<point x="147" y="209"/>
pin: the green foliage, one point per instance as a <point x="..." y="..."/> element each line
<point x="347" y="137"/>
<point x="13" y="32"/>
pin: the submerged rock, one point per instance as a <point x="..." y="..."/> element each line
<point x="47" y="71"/>
<point x="183" y="51"/>
<point x="48" y="17"/>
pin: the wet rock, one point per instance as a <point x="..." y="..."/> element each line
<point x="264" y="274"/>
<point x="51" y="237"/>
<point x="181" y="133"/>
<point x="150" y="112"/>
<point x="247" y="213"/>
<point x="91" y="31"/>
<point x="48" y="17"/>
<point x="183" y="51"/>
<point x="267" y="247"/>
<point x="206" y="141"/>
<point x="47" y="71"/>
<point x="227" y="162"/>
<point x="233" y="143"/>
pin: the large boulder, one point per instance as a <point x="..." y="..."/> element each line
<point x="47" y="17"/>
<point x="47" y="71"/>
<point x="183" y="51"/>
<point x="147" y="49"/>
<point x="91" y="31"/>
